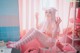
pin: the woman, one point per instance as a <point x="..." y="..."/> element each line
<point x="45" y="35"/>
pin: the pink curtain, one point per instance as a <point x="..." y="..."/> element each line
<point x="28" y="10"/>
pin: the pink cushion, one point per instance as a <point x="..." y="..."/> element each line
<point x="34" y="44"/>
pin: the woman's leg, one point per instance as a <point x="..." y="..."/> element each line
<point x="10" y="42"/>
<point x="35" y="34"/>
<point x="29" y="32"/>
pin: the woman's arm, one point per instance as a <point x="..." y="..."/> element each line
<point x="56" y="28"/>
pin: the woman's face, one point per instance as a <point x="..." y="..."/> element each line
<point x="48" y="14"/>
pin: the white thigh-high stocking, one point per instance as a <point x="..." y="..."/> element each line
<point x="35" y="34"/>
<point x="12" y="44"/>
<point x="28" y="33"/>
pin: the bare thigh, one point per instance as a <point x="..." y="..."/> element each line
<point x="43" y="38"/>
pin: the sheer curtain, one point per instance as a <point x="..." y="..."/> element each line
<point x="31" y="13"/>
<point x="27" y="13"/>
<point x="63" y="11"/>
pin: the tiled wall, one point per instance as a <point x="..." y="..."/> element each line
<point x="9" y="20"/>
<point x="9" y="33"/>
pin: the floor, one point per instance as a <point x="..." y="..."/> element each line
<point x="4" y="49"/>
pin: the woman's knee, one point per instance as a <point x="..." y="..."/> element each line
<point x="37" y="32"/>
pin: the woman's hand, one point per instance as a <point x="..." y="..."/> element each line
<point x="58" y="21"/>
